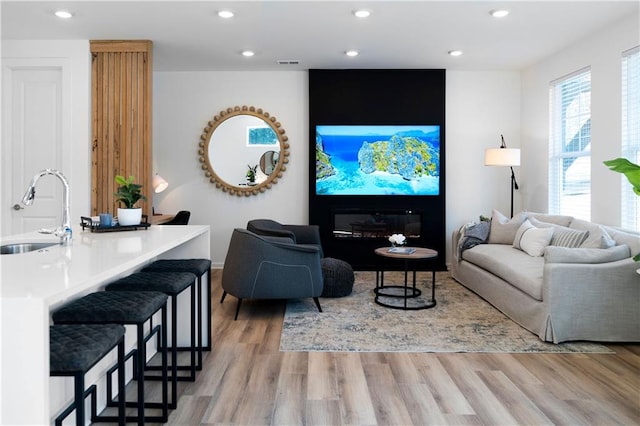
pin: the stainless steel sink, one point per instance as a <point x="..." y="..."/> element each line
<point x="17" y="248"/>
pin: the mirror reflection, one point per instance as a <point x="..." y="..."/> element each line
<point x="243" y="150"/>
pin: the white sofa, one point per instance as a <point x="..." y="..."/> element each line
<point x="589" y="292"/>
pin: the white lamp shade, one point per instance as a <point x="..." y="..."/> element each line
<point x="159" y="184"/>
<point x="502" y="157"/>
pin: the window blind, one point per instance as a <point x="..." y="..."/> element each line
<point x="570" y="145"/>
<point x="630" y="133"/>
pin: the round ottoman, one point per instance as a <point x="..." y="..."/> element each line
<point x="337" y="276"/>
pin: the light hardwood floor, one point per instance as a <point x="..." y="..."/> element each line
<point x="246" y="380"/>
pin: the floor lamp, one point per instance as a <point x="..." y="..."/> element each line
<point x="504" y="156"/>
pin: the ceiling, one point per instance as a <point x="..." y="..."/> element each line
<point x="189" y="36"/>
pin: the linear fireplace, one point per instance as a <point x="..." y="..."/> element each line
<point x="376" y="224"/>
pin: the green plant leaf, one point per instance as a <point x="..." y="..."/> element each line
<point x="629" y="169"/>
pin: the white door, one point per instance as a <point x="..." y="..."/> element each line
<point x="33" y="142"/>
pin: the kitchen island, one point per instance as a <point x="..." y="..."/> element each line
<point x="35" y="284"/>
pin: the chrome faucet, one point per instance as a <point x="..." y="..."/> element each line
<point x="64" y="231"/>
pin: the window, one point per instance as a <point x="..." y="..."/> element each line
<point x="570" y="145"/>
<point x="630" y="133"/>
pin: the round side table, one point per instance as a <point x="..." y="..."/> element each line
<point x="406" y="292"/>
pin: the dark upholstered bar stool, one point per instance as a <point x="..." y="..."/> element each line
<point x="134" y="308"/>
<point x="73" y="351"/>
<point x="172" y="284"/>
<point x="199" y="267"/>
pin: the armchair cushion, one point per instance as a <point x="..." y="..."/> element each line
<point x="300" y="234"/>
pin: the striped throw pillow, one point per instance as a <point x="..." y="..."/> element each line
<point x="568" y="238"/>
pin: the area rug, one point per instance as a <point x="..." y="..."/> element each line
<point x="460" y="322"/>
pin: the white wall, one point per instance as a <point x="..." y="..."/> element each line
<point x="480" y="106"/>
<point x="76" y="129"/>
<point x="183" y="103"/>
<point x="602" y="52"/>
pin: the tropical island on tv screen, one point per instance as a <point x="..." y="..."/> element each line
<point x="377" y="160"/>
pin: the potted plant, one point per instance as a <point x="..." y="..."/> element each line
<point x="632" y="173"/>
<point x="251" y="174"/>
<point x="128" y="194"/>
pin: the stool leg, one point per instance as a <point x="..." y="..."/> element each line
<point x="200" y="332"/>
<point x="165" y="405"/>
<point x="141" y="360"/>
<point x="193" y="331"/>
<point x="208" y="346"/>
<point x="121" y="385"/>
<point x="174" y="352"/>
<point x="79" y="397"/>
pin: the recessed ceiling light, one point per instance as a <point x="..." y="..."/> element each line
<point x="63" y="14"/>
<point x="248" y="53"/>
<point x="362" y="13"/>
<point x="351" y="53"/>
<point x="226" y="14"/>
<point x="455" y="52"/>
<point x="499" y="13"/>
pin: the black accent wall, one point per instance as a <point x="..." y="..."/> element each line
<point x="369" y="97"/>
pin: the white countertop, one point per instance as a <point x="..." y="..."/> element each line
<point x="56" y="273"/>
<point x="36" y="283"/>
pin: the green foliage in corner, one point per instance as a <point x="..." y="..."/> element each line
<point x="632" y="172"/>
<point x="629" y="169"/>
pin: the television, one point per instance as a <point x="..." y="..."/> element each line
<point x="377" y="160"/>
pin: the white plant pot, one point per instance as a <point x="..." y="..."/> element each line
<point x="127" y="217"/>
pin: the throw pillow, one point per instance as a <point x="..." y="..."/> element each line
<point x="562" y="236"/>
<point x="503" y="230"/>
<point x="598" y="237"/>
<point x="555" y="219"/>
<point x="532" y="240"/>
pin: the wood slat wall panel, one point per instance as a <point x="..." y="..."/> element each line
<point x="121" y="120"/>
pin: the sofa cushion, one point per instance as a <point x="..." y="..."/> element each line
<point x="512" y="265"/>
<point x="585" y="255"/>
<point x="598" y="236"/>
<point x="562" y="236"/>
<point x="625" y="237"/>
<point x="503" y="229"/>
<point x="555" y="219"/>
<point x="532" y="240"/>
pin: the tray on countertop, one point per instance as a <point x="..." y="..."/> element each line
<point x="94" y="226"/>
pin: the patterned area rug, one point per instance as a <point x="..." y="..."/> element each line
<point x="460" y="322"/>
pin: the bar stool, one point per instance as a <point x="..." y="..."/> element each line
<point x="172" y="284"/>
<point x="73" y="351"/>
<point x="198" y="267"/>
<point x="134" y="308"/>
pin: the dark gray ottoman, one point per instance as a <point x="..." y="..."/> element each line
<point x="337" y="276"/>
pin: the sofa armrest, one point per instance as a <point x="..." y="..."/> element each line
<point x="455" y="241"/>
<point x="599" y="300"/>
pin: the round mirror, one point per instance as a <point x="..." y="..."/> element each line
<point x="243" y="150"/>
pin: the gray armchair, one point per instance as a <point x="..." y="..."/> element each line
<point x="300" y="234"/>
<point x="259" y="267"/>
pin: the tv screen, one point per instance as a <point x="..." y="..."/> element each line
<point x="377" y="160"/>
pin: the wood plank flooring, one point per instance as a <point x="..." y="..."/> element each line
<point x="246" y="380"/>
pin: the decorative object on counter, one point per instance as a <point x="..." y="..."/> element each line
<point x="106" y="219"/>
<point x="243" y="133"/>
<point x="504" y="156"/>
<point x="129" y="193"/>
<point x="94" y="226"/>
<point x="397" y="240"/>
<point x="64" y="230"/>
<point x="251" y="174"/>
<point x="159" y="184"/>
